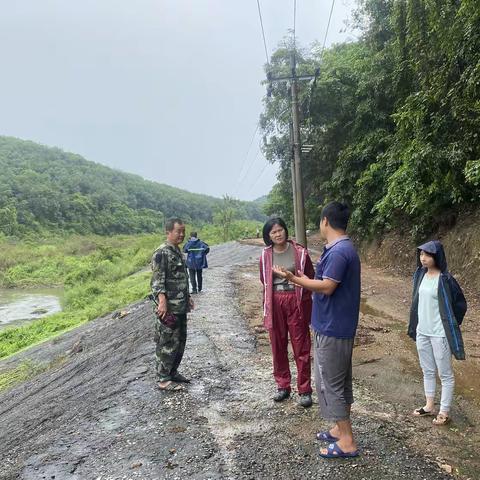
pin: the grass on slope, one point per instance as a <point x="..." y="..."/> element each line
<point x="99" y="275"/>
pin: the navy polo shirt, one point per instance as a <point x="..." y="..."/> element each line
<point x="336" y="315"/>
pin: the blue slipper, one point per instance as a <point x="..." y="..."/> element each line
<point x="326" y="437"/>
<point x="334" y="451"/>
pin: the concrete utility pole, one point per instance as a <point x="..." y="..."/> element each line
<point x="300" y="233"/>
<point x="297" y="183"/>
<point x="294" y="185"/>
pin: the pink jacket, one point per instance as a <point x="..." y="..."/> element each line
<point x="303" y="263"/>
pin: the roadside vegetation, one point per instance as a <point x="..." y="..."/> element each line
<point x="98" y="274"/>
<point x="393" y="118"/>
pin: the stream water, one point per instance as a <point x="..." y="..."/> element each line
<point x="19" y="305"/>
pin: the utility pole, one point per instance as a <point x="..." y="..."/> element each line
<point x="294" y="185"/>
<point x="297" y="183"/>
<point x="300" y="233"/>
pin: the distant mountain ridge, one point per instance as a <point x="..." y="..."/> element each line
<point x="46" y="188"/>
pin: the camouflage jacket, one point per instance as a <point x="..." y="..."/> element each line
<point x="170" y="277"/>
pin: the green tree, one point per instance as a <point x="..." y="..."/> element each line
<point x="224" y="216"/>
<point x="394" y="117"/>
<point x="8" y="220"/>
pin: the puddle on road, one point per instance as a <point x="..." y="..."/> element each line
<point x="19" y="305"/>
<point x="367" y="309"/>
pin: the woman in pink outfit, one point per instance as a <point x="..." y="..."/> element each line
<point x="287" y="309"/>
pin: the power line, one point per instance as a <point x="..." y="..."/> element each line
<point x="249" y="168"/>
<point x="328" y="27"/>
<point x="258" y="176"/>
<point x="263" y="32"/>
<point x="248" y="150"/>
<point x="242" y="175"/>
<point x="321" y="56"/>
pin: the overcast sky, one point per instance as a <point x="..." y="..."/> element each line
<point x="167" y="89"/>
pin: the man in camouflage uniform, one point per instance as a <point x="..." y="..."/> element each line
<point x="170" y="289"/>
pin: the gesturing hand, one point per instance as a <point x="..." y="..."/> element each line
<point x="282" y="272"/>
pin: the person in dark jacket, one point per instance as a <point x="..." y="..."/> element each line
<point x="438" y="308"/>
<point x="197" y="252"/>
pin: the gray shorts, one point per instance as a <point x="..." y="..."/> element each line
<point x="333" y="376"/>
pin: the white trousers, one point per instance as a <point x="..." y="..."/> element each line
<point x="435" y="355"/>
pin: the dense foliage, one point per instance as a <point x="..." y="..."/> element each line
<point x="394" y="118"/>
<point x="46" y="189"/>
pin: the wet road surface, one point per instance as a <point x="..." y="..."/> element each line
<point x="97" y="414"/>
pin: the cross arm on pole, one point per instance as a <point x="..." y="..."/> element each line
<point x="290" y="78"/>
<point x="287" y="78"/>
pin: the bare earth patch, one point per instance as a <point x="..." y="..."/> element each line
<point x="387" y="374"/>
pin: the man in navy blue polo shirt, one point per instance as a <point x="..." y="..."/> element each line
<point x="336" y="304"/>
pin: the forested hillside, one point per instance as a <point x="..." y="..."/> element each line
<point x="394" y="118"/>
<point x="47" y="189"/>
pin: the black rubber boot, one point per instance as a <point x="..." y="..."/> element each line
<point x="305" y="400"/>
<point x="282" y="394"/>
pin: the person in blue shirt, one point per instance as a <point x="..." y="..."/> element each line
<point x="197" y="252"/>
<point x="336" y="306"/>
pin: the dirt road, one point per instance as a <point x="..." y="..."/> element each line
<point x="96" y="412"/>
<point x="386" y="367"/>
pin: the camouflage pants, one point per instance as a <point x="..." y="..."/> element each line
<point x="170" y="346"/>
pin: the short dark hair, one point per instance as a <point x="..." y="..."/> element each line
<point x="269" y="224"/>
<point x="170" y="223"/>
<point x="193" y="234"/>
<point x="337" y="215"/>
